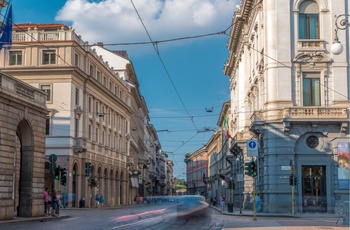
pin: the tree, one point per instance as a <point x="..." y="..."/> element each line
<point x="179" y="184"/>
<point x="187" y="155"/>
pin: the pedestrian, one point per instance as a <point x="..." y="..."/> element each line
<point x="222" y="203"/>
<point x="49" y="205"/>
<point x="46" y="201"/>
<point x="102" y="200"/>
<point x="97" y="200"/>
<point x="54" y="203"/>
<point x="58" y="198"/>
<point x="214" y="201"/>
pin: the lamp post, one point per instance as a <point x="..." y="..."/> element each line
<point x="341" y="23"/>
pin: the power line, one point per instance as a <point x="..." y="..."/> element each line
<point x="165" y="68"/>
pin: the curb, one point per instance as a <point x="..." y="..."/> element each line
<point x="34" y="219"/>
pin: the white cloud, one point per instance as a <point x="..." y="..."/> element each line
<point x="115" y="21"/>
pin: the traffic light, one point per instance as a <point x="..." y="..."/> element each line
<point x="254" y="170"/>
<point x="291" y="180"/>
<point x="248" y="168"/>
<point x="57" y="173"/>
<point x="87" y="169"/>
<point x="92" y="182"/>
<point x="63" y="177"/>
<point x="296" y="180"/>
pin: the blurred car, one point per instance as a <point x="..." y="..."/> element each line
<point x="191" y="204"/>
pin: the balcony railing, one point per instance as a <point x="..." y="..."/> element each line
<point x="311" y="45"/>
<point x="315" y="112"/>
<point x="79" y="145"/>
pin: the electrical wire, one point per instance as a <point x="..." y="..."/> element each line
<point x="164" y="67"/>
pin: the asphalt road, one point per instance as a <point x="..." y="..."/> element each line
<point x="165" y="217"/>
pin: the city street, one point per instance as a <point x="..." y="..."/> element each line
<point x="164" y="216"/>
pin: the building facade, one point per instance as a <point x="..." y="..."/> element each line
<point x="91" y="106"/>
<point x="290" y="95"/>
<point x="22" y="148"/>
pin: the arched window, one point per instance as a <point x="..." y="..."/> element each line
<point x="309" y="20"/>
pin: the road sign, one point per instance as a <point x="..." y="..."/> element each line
<point x="252" y="148"/>
<point x="52" y="158"/>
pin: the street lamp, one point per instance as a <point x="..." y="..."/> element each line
<point x="341" y="22"/>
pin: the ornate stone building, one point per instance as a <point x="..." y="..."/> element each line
<point x="22" y="148"/>
<point x="92" y="106"/>
<point x="291" y="95"/>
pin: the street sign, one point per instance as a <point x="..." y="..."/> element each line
<point x="252" y="148"/>
<point x="52" y="158"/>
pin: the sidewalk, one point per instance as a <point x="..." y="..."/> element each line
<point x="63" y="215"/>
<point x="18" y="219"/>
<point x="248" y="212"/>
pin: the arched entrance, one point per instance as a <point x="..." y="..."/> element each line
<point x="24" y="170"/>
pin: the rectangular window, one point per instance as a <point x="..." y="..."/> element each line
<point x="90" y="132"/>
<point x="76" y="96"/>
<point x="308" y="26"/>
<point x="89" y="106"/>
<point x="97" y="109"/>
<point x="311" y="89"/>
<point x="47" y="131"/>
<point x="92" y="71"/>
<point x="47" y="90"/>
<point x="76" y="128"/>
<point x="96" y="137"/>
<point x="49" y="57"/>
<point x="98" y="76"/>
<point x="15" y="58"/>
<point x="76" y="60"/>
<point x="103" y="138"/>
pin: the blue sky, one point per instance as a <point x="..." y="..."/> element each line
<point x="191" y="79"/>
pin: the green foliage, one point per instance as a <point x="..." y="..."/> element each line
<point x="187" y="155"/>
<point x="179" y="184"/>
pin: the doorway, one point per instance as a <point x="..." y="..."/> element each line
<point x="314" y="188"/>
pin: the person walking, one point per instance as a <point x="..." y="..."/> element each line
<point x="46" y="201"/>
<point x="58" y="198"/>
<point x="54" y="203"/>
<point x="97" y="200"/>
<point x="102" y="200"/>
<point x="222" y="203"/>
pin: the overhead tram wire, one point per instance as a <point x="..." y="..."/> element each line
<point x="168" y="40"/>
<point x="165" y="68"/>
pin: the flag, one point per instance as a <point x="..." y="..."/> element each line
<point x="226" y="129"/>
<point x="6" y="35"/>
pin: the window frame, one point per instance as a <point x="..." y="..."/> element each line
<point x="306" y="20"/>
<point x="47" y="91"/>
<point x="51" y="57"/>
<point x="17" y="55"/>
<point x="311" y="76"/>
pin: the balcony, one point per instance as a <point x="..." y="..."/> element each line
<point x="79" y="145"/>
<point x="315" y="113"/>
<point x="311" y="45"/>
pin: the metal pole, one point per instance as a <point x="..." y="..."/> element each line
<point x="292" y="172"/>
<point x="240" y="185"/>
<point x="293" y="199"/>
<point x="254" y="203"/>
